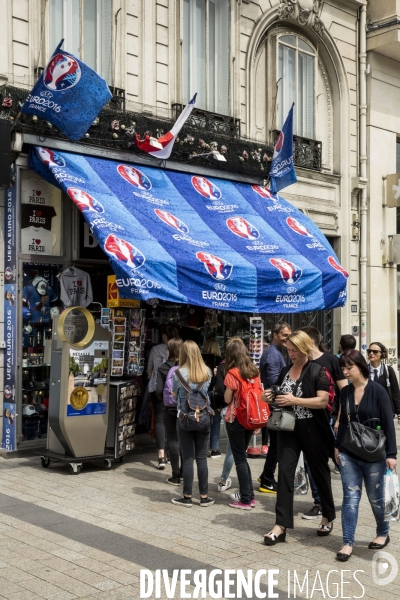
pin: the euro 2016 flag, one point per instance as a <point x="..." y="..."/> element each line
<point x="68" y="94"/>
<point x="282" y="172"/>
<point x="162" y="147"/>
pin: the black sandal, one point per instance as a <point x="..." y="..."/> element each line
<point x="270" y="539"/>
<point x="324" y="530"/>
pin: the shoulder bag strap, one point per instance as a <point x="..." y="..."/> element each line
<point x="186" y="385"/>
<point x="386" y="374"/>
<point x="348" y="407"/>
<point x="300" y="379"/>
<point x="183" y="381"/>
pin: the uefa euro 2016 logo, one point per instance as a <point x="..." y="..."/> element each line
<point x="49" y="157"/>
<point x="62" y="72"/>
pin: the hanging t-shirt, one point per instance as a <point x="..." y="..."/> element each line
<point x="36" y="240"/>
<point x="75" y="288"/>
<point x="35" y="192"/>
<point x="37" y="216"/>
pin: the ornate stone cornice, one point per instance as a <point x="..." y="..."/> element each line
<point x="305" y="12"/>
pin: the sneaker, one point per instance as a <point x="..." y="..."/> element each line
<point x="240" y="505"/>
<point x="268" y="488"/>
<point x="187" y="502"/>
<point x="264" y="450"/>
<point x="206" y="501"/>
<point x="236" y="497"/>
<point x="222" y="487"/>
<point x="162" y="463"/>
<point x="313" y="513"/>
<point x="174" y="480"/>
<point x="336" y="471"/>
<point x="215" y="454"/>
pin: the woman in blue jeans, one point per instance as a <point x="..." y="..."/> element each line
<point x="237" y="357"/>
<point x="367" y="400"/>
<point x="193" y="444"/>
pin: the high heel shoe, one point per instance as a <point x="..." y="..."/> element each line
<point x="324" y="530"/>
<point x="270" y="539"/>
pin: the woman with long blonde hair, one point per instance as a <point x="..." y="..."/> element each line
<point x="193" y="444"/>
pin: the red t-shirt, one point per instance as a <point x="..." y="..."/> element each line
<point x="233" y="384"/>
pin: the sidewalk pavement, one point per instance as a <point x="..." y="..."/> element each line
<point x="65" y="537"/>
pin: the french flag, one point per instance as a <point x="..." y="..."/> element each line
<point x="162" y="147"/>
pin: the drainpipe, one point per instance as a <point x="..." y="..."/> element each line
<point x="363" y="178"/>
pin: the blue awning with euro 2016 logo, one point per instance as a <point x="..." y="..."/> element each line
<point x="197" y="240"/>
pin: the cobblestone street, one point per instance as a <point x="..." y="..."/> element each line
<point x="66" y="537"/>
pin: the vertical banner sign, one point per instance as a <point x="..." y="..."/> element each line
<point x="10" y="320"/>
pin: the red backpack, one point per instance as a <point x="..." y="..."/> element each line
<point x="332" y="390"/>
<point x="251" y="411"/>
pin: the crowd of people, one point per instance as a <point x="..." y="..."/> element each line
<point x="309" y="399"/>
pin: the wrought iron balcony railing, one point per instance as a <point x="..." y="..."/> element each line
<point x="307" y="153"/>
<point x="211" y="122"/>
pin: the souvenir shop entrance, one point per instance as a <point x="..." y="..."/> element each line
<point x="60" y="250"/>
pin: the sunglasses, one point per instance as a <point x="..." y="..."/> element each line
<point x="374" y="351"/>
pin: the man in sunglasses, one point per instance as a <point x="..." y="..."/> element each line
<point x="384" y="374"/>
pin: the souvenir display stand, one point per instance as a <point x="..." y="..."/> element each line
<point x="124" y="398"/>
<point x="79" y="391"/>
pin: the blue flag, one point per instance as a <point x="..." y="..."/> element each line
<point x="68" y="94"/>
<point x="282" y="172"/>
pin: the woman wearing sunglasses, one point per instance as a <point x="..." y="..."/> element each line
<point x="384" y="374"/>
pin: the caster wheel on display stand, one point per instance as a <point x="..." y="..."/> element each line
<point x="45" y="462"/>
<point x="108" y="464"/>
<point x="75" y="469"/>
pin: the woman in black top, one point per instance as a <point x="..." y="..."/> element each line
<point x="212" y="357"/>
<point x="312" y="435"/>
<point x="367" y="400"/>
<point x="384" y="374"/>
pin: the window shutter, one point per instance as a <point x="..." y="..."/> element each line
<point x="186" y="52"/>
<point x="310" y="97"/>
<point x="105" y="52"/>
<point x="56" y="24"/>
<point x="223" y="45"/>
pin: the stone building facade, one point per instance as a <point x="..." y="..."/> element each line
<point x="248" y="60"/>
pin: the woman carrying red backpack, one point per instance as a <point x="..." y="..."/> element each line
<point x="246" y="412"/>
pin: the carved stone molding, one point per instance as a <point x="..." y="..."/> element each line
<point x="305" y="12"/>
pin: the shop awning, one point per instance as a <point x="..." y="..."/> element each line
<point x="203" y="241"/>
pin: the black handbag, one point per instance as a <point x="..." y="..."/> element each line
<point x="363" y="441"/>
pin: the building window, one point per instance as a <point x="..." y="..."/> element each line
<point x="86" y="28"/>
<point x="296" y="83"/>
<point x="206" y="54"/>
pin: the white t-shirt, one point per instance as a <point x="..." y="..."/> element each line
<point x="75" y="288"/>
<point x="36" y="240"/>
<point x="36" y="192"/>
